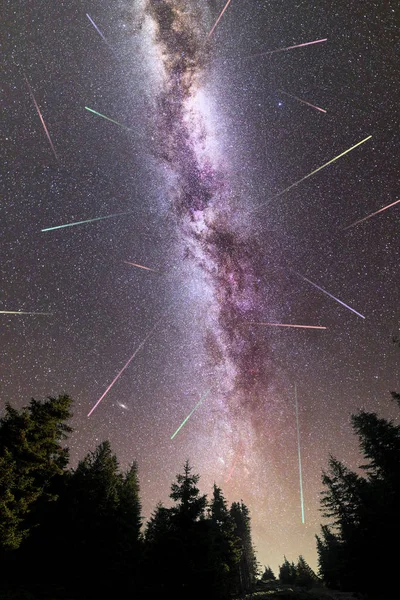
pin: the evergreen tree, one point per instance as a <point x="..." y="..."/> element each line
<point x="364" y="511"/>
<point x="305" y="576"/>
<point x="31" y="458"/>
<point x="329" y="550"/>
<point x="247" y="567"/>
<point x="225" y="546"/>
<point x="190" y="505"/>
<point x="268" y="574"/>
<point x="287" y="572"/>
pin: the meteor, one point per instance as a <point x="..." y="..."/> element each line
<point x="190" y="414"/>
<point x="107" y="118"/>
<point x="285" y="49"/>
<point x="372" y="215"/>
<point x="124" y="367"/>
<point x="303" y="101"/>
<point x="87" y="221"/>
<point x="231" y="471"/>
<point x="313" y="172"/>
<point x="40" y="117"/>
<point x="287" y="325"/>
<point x="140" y="266"/>
<point x="330" y="295"/>
<point x="102" y="36"/>
<point x="299" y="455"/>
<point x="20" y="312"/>
<point x="217" y="21"/>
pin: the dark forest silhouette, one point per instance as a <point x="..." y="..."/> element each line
<point x="77" y="533"/>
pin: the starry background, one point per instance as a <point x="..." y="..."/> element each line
<point x="208" y="142"/>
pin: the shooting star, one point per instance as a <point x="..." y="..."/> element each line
<point x="40" y="117"/>
<point x="140" y="266"/>
<point x="372" y="215"/>
<point x="190" y="414"/>
<point x="330" y="295"/>
<point x="20" y="312"/>
<point x="107" y="118"/>
<point x="219" y="18"/>
<point x="231" y="471"/>
<point x="101" y="35"/>
<point x="285" y="325"/>
<point x="124" y="367"/>
<point x="285" y="49"/>
<point x="299" y="455"/>
<point x="313" y="172"/>
<point x="87" y="221"/>
<point x="303" y="101"/>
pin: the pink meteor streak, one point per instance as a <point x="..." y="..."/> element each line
<point x="123" y="368"/>
<point x="40" y="116"/>
<point x="288" y="48"/>
<point x="303" y="101"/>
<point x="287" y="325"/>
<point x="140" y="266"/>
<point x="219" y="18"/>
<point x="231" y="471"/>
<point x="330" y="295"/>
<point x="373" y="214"/>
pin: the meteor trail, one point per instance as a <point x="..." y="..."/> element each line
<point x="286" y="325"/>
<point x="303" y="101"/>
<point x="313" y="172"/>
<point x="285" y="49"/>
<point x="108" y="118"/>
<point x="298" y="448"/>
<point x="20" y="312"/>
<point x="217" y="21"/>
<point x="124" y="367"/>
<point x="40" y="117"/>
<point x="102" y="36"/>
<point x="140" y="266"/>
<point x="87" y="221"/>
<point x="369" y="216"/>
<point x="330" y="295"/>
<point x="190" y="414"/>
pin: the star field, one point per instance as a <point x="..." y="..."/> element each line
<point x="213" y="133"/>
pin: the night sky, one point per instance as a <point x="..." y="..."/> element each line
<point x="212" y="130"/>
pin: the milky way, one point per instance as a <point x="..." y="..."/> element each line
<point x="197" y="200"/>
<point x="201" y="200"/>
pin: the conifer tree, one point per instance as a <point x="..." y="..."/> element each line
<point x="287" y="572"/>
<point x="225" y="545"/>
<point x="31" y="457"/>
<point x="268" y="574"/>
<point x="305" y="576"/>
<point x="247" y="568"/>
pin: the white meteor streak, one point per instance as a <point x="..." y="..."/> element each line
<point x="123" y="368"/>
<point x="286" y="325"/>
<point x="299" y="455"/>
<point x="372" y="215"/>
<point x="330" y="295"/>
<point x="285" y="49"/>
<point x="20" y="312"/>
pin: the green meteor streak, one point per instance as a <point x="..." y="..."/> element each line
<point x="108" y="118"/>
<point x="298" y="448"/>
<point x="190" y="414"/>
<point x="87" y="221"/>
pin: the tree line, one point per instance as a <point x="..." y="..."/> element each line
<point x="79" y="532"/>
